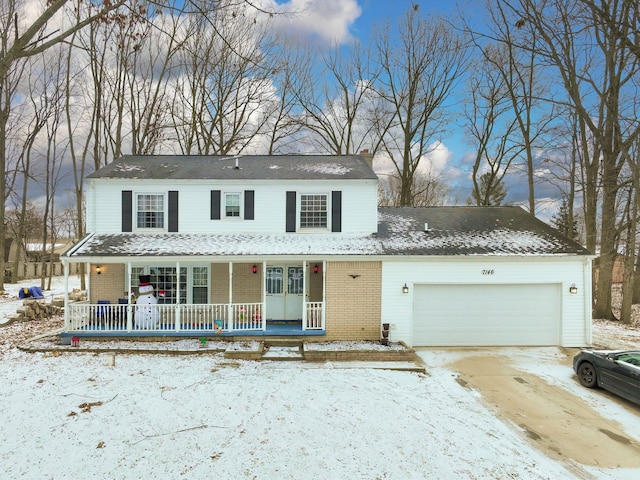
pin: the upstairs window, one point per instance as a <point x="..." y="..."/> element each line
<point x="232" y="205"/>
<point x="150" y="210"/>
<point x="313" y="211"/>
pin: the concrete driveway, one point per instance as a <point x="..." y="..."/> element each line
<point x="535" y="391"/>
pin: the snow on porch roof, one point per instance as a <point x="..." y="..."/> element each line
<point x="401" y="231"/>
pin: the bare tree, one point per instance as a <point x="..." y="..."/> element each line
<point x="491" y="123"/>
<point x="520" y="72"/>
<point x="284" y="124"/>
<point x="418" y="76"/>
<point x="335" y="100"/>
<point x="38" y="109"/>
<point x="597" y="72"/>
<point x="630" y="218"/>
<point x="225" y="78"/>
<point x="24" y="35"/>
<point x="428" y="190"/>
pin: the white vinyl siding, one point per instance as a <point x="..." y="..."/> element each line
<point x="542" y="274"/>
<point x="359" y="204"/>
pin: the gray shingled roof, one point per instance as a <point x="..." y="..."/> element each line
<point x="250" y="167"/>
<point x="470" y="231"/>
<point x="451" y="231"/>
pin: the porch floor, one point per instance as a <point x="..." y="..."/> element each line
<point x="274" y="329"/>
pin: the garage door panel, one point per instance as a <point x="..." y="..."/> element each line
<point x="483" y="315"/>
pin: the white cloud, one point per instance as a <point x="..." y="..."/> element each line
<point x="436" y="162"/>
<point x="326" y="21"/>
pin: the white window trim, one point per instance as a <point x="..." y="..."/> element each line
<point x="165" y="211"/>
<point x="325" y="229"/>
<point x="223" y="213"/>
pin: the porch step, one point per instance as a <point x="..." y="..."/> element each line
<point x="283" y="351"/>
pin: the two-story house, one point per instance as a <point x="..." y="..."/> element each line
<point x="235" y="246"/>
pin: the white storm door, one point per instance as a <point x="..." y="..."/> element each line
<point x="274" y="290"/>
<point x="295" y="293"/>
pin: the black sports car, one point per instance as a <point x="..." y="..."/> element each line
<point x="616" y="371"/>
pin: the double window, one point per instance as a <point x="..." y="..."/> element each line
<point x="150" y="211"/>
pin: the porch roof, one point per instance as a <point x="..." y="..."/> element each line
<point x="401" y="231"/>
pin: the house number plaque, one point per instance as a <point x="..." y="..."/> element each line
<point x="488" y="271"/>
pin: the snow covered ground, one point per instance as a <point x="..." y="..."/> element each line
<point x="84" y="416"/>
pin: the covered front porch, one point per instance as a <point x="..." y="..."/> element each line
<point x="226" y="299"/>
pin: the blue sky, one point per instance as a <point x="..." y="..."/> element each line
<point x="346" y="20"/>
<point x="325" y="22"/>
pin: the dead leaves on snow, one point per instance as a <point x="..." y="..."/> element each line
<point x="84" y="407"/>
<point x="87" y="406"/>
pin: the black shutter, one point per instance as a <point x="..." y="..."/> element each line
<point x="291" y="212"/>
<point x="173" y="211"/>
<point x="127" y="211"/>
<point x="248" y="204"/>
<point x="215" y="204"/>
<point x="336" y="211"/>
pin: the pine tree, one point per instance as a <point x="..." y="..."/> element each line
<point x="564" y="222"/>
<point x="491" y="191"/>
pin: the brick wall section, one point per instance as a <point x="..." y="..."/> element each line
<point x="246" y="284"/>
<point x="219" y="283"/>
<point x="315" y="282"/>
<point x="353" y="304"/>
<point x="109" y="285"/>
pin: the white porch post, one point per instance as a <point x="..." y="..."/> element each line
<point x="88" y="273"/>
<point x="177" y="307"/>
<point x="324" y="293"/>
<point x="67" y="320"/>
<point x="304" y="295"/>
<point x="129" y="298"/>
<point x="230" y="305"/>
<point x="263" y="296"/>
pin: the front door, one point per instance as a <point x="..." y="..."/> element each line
<point x="284" y="287"/>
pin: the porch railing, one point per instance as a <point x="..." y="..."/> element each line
<point x="165" y="318"/>
<point x="314" y="316"/>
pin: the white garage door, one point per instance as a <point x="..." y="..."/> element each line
<point x="468" y="315"/>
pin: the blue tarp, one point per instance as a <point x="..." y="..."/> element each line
<point x="30" y="292"/>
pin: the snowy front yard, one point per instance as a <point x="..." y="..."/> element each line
<point x="204" y="417"/>
<point x="74" y="415"/>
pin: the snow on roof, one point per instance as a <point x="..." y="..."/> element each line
<point x="452" y="231"/>
<point x="325" y="168"/>
<point x="238" y="167"/>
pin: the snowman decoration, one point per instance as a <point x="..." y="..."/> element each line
<point x="147" y="314"/>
